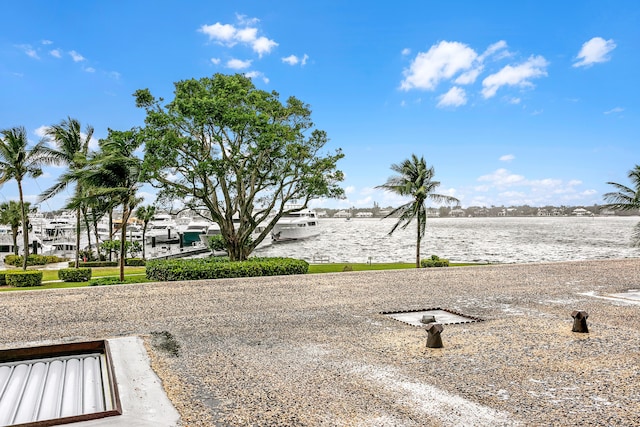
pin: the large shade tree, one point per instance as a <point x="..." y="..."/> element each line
<point x="414" y="181"/>
<point x="238" y="152"/>
<point x="17" y="162"/>
<point x="627" y="198"/>
<point x="72" y="147"/>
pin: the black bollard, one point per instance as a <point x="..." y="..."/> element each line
<point x="428" y="318"/>
<point x="580" y="321"/>
<point x="433" y="337"/>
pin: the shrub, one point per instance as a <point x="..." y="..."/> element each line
<point x="105" y="281"/>
<point x="434" y="261"/>
<point x="219" y="268"/>
<point x="33" y="259"/>
<point x="23" y="279"/>
<point x="134" y="262"/>
<point x="95" y="264"/>
<point x="74" y="274"/>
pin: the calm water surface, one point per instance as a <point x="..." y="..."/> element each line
<point x="496" y="240"/>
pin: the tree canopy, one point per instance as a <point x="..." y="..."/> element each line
<point x="238" y="152"/>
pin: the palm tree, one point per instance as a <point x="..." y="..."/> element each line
<point x="145" y="214"/>
<point x="11" y="215"/>
<point x="627" y="199"/>
<point x="72" y="150"/>
<point x="18" y="163"/>
<point x="115" y="173"/>
<point x="414" y="181"/>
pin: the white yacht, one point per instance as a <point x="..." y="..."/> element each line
<point x="297" y="225"/>
<point x="162" y="229"/>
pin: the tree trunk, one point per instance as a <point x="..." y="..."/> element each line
<point x="14" y="232"/>
<point x="418" y="245"/>
<point x="25" y="228"/>
<point x="123" y="239"/>
<point x="77" y="263"/>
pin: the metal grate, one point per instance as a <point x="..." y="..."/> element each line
<point x="56" y="384"/>
<point x="442" y="316"/>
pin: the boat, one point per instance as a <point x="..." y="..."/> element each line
<point x="162" y="229"/>
<point x="214" y="229"/>
<point x="298" y="225"/>
<point x="192" y="233"/>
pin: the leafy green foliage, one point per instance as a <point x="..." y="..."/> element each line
<point x="74" y="274"/>
<point x="214" y="268"/>
<point x="33" y="259"/>
<point x="217" y="243"/>
<point x="414" y="180"/>
<point x="434" y="261"/>
<point x="22" y="279"/>
<point x="238" y="152"/>
<point x="96" y="264"/>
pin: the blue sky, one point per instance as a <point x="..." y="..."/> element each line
<point x="525" y="102"/>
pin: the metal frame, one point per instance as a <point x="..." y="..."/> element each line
<point x="62" y="350"/>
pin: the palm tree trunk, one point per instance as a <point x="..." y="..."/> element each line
<point x="77" y="263"/>
<point x="25" y="229"/>
<point x="123" y="239"/>
<point x="418" y="245"/>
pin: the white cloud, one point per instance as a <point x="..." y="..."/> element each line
<point x="56" y="53"/>
<point x="498" y="49"/>
<point x="594" y="51"/>
<point x="614" y="110"/>
<point x="76" y="56"/>
<point x="502" y="178"/>
<point x="29" y="51"/>
<point x="256" y="75"/>
<point x="238" y="64"/>
<point x="90" y="70"/>
<point x="469" y="77"/>
<point x="454" y="98"/>
<point x="247" y="35"/>
<point x="294" y="60"/>
<point x="223" y="33"/>
<point x="263" y="45"/>
<point x="46" y="42"/>
<point x="505" y="188"/>
<point x="519" y="75"/>
<point x="350" y="189"/>
<point x="441" y="61"/>
<point x="507" y="158"/>
<point x="228" y="35"/>
<point x="406" y="51"/>
<point x="215" y="61"/>
<point x="41" y="131"/>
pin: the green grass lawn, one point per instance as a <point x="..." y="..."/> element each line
<point x="137" y="274"/>
<point x="50" y="278"/>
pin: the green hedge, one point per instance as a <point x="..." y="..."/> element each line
<point x="22" y="279"/>
<point x="105" y="281"/>
<point x="434" y="261"/>
<point x="74" y="274"/>
<point x="16" y="260"/>
<point x="131" y="262"/>
<point x="219" y="268"/>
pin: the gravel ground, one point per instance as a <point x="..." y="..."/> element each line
<point x="315" y="350"/>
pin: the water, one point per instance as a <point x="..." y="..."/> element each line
<point x="495" y="240"/>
